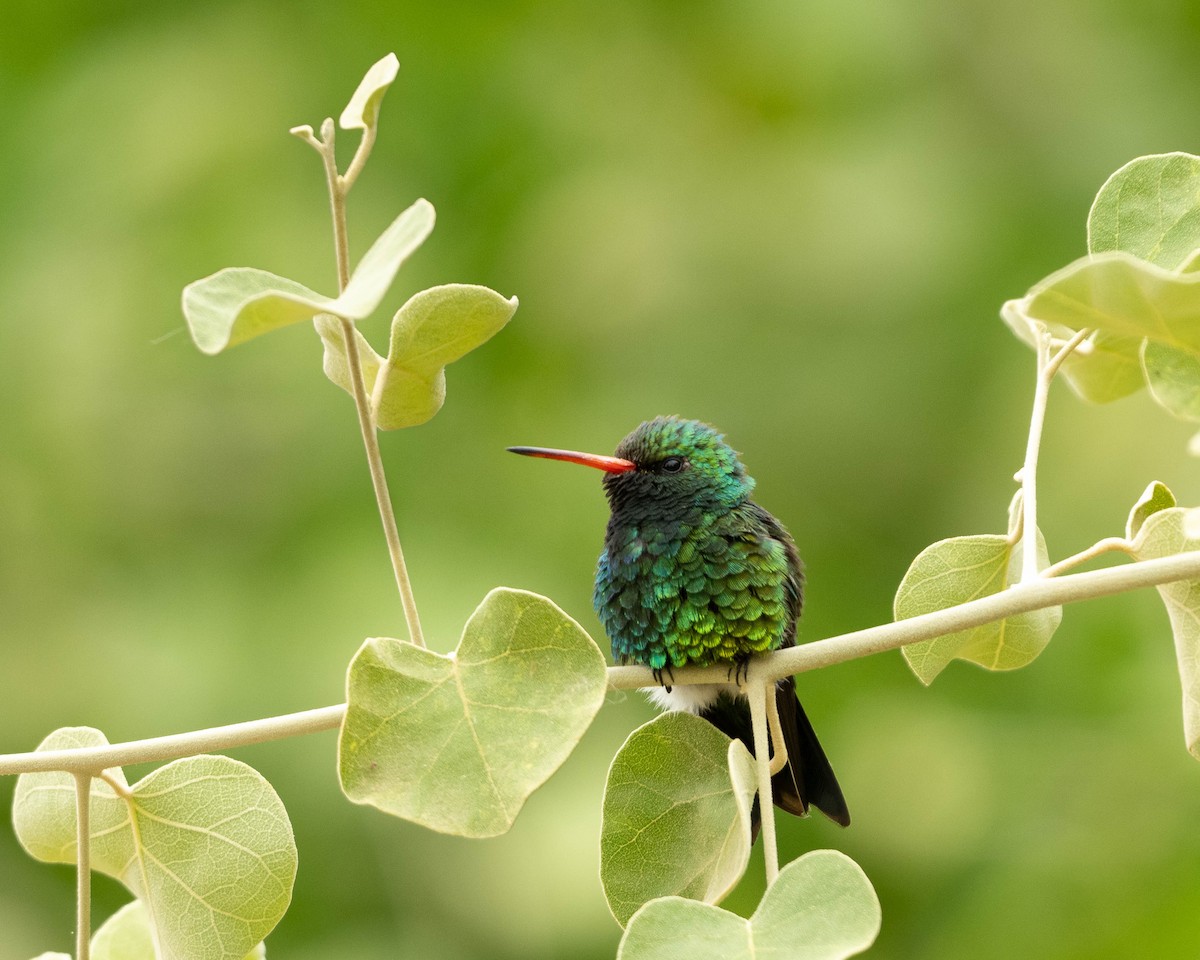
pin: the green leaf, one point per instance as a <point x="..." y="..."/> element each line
<point x="126" y="935"/>
<point x="1191" y="524"/>
<point x="676" y="814"/>
<point x="1122" y="295"/>
<point x="1162" y="535"/>
<point x="960" y="569"/>
<point x="363" y="109"/>
<point x="1104" y="368"/>
<point x="336" y="364"/>
<point x="203" y="842"/>
<point x="434" y="328"/>
<point x="238" y="303"/>
<point x="458" y="742"/>
<point x="44" y="810"/>
<point x="1174" y="378"/>
<point x="1149" y="208"/>
<point x="1156" y="497"/>
<point x="821" y="907"/>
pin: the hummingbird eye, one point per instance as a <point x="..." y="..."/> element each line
<point x="672" y="465"/>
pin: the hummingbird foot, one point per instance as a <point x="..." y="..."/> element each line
<point x="739" y="670"/>
<point x="658" y="677"/>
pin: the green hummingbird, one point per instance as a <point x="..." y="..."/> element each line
<point x="694" y="572"/>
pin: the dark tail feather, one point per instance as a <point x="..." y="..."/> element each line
<point x="807" y="780"/>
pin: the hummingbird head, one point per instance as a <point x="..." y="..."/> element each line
<point x="667" y="468"/>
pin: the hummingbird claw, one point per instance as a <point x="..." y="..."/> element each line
<point x="740" y="670"/>
<point x="658" y="677"/>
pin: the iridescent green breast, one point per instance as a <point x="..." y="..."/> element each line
<point x="712" y="591"/>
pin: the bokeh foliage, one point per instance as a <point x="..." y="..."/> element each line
<point x="797" y="221"/>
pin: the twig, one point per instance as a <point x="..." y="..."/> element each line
<point x="1039" y="594"/>
<point x="338" y="188"/>
<point x="1107" y="545"/>
<point x="1047" y="366"/>
<point x="1022" y="598"/>
<point x="757" y="693"/>
<point x="83" y="865"/>
<point x="156" y="749"/>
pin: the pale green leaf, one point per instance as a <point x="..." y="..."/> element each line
<point x="1123" y="295"/>
<point x="363" y="109"/>
<point x="238" y="303"/>
<point x="1191" y="524"/>
<point x="1163" y="535"/>
<point x="434" y="328"/>
<point x="960" y="569"/>
<point x="336" y="364"/>
<point x="821" y="907"/>
<point x="1104" y="368"/>
<point x="458" y="742"/>
<point x="1149" y="208"/>
<point x="44" y="810"/>
<point x="203" y="842"/>
<point x="1157" y="496"/>
<point x="1174" y="378"/>
<point x="126" y="935"/>
<point x="676" y="814"/>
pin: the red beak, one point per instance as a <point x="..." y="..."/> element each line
<point x="607" y="464"/>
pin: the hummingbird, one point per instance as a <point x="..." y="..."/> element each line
<point x="696" y="573"/>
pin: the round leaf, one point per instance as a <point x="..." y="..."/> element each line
<point x="458" y="742"/>
<point x="676" y="814"/>
<point x="821" y="907"/>
<point x="1149" y="208"/>
<point x="126" y="935"/>
<point x="204" y="842"/>
<point x="954" y="571"/>
<point x="1174" y="378"/>
<point x="434" y="328"/>
<point x="1162" y="535"/>
<point x="44" y="810"/>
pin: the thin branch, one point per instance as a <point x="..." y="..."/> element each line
<point x="383" y="499"/>
<point x="1022" y="598"/>
<point x="757" y="693"/>
<point x="83" y="865"/>
<point x="338" y="188"/>
<point x="1107" y="545"/>
<point x="337" y="203"/>
<point x="1065" y="350"/>
<point x="118" y="787"/>
<point x="360" y="158"/>
<point x="157" y="749"/>
<point x="1029" y="531"/>
<point x="1048" y="365"/>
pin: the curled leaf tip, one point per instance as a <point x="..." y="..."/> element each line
<point x="363" y="109"/>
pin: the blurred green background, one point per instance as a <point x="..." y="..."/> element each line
<point x="797" y="221"/>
